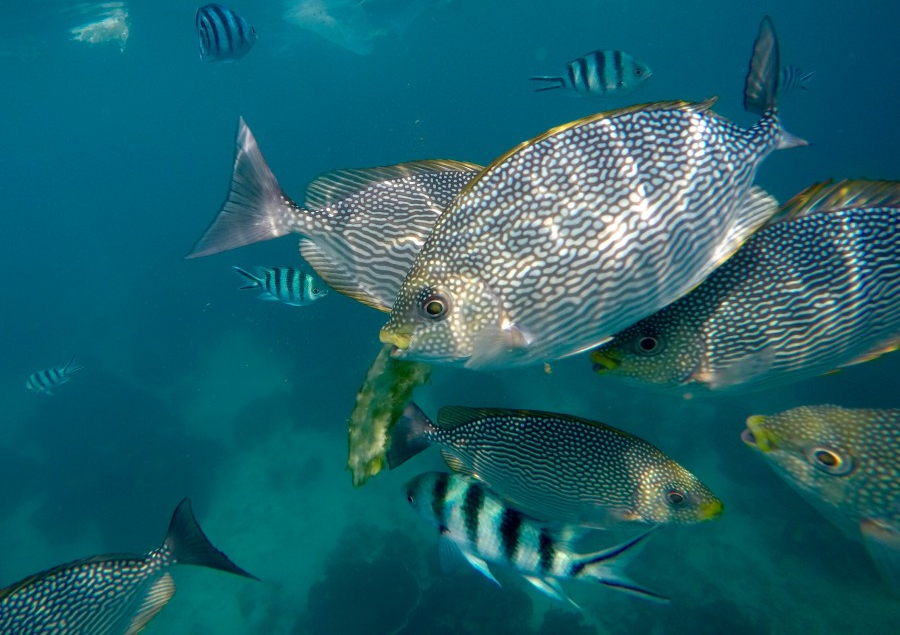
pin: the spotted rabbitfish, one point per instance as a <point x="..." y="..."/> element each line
<point x="558" y="468"/>
<point x="818" y="290"/>
<point x="603" y="73"/>
<point x="47" y="380"/>
<point x="570" y="237"/>
<point x="113" y="594"/>
<point x="224" y="36"/>
<point x="846" y="462"/>
<point x="475" y="524"/>
<point x="360" y="228"/>
<point x="284" y="284"/>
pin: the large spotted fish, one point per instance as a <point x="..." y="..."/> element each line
<point x="846" y="462"/>
<point x="816" y="291"/>
<point x="475" y="524"/>
<point x="572" y="236"/>
<point x="113" y="594"/>
<point x="558" y="468"/>
<point x="361" y="228"/>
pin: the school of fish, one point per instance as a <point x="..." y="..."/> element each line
<point x="638" y="234"/>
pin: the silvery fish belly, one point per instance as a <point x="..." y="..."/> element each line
<point x="559" y="468"/>
<point x="847" y="463"/>
<point x="816" y="291"/>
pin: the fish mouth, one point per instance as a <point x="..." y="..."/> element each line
<point x="397" y="338"/>
<point x="711" y="509"/>
<point x="756" y="436"/>
<point x="605" y="361"/>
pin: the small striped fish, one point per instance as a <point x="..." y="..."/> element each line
<point x="818" y="290"/>
<point x="44" y="380"/>
<point x="115" y="594"/>
<point x="361" y="228"/>
<point x="570" y="237"/>
<point x="284" y="284"/>
<point x="473" y="522"/>
<point x="224" y="35"/>
<point x="847" y="463"/>
<point x="603" y="73"/>
<point x="558" y="468"/>
<point x="793" y="79"/>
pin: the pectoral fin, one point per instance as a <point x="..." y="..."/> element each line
<point x="882" y="541"/>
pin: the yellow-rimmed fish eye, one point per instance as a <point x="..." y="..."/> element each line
<point x="434" y="305"/>
<point x="675" y="497"/>
<point x="647" y="345"/>
<point x="830" y="461"/>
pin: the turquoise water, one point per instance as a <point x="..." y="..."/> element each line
<point x="116" y="160"/>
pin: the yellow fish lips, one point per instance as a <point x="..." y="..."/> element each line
<point x="397" y="337"/>
<point x="756" y="436"/>
<point x="711" y="509"/>
<point x="605" y="361"/>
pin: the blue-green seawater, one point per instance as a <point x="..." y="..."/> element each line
<point x="116" y="160"/>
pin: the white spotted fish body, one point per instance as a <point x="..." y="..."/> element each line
<point x="582" y="231"/>
<point x="846" y="462"/>
<point x="814" y="292"/>
<point x="476" y="525"/>
<point x="361" y="228"/>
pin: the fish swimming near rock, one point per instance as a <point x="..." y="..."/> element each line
<point x="223" y="35"/>
<point x="602" y="73"/>
<point x="284" y="284"/>
<point x="570" y="237"/>
<point x="479" y="527"/>
<point x="558" y="468"/>
<point x="815" y="291"/>
<point x="846" y="462"/>
<point x="114" y="594"/>
<point x="45" y="381"/>
<point x="361" y="228"/>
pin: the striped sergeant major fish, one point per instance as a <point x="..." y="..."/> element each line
<point x="548" y="251"/>
<point x="224" y="35"/>
<point x="113" y="594"/>
<point x="603" y="73"/>
<point x="284" y="284"/>
<point x="476" y="525"/>
<point x="44" y="380"/>
<point x="793" y="79"/>
<point x="361" y="228"/>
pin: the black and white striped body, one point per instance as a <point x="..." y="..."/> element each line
<point x="602" y="73"/>
<point x="284" y="284"/>
<point x="486" y="530"/>
<point x="45" y="381"/>
<point x="361" y="228"/>
<point x="223" y="34"/>
<point x="801" y="298"/>
<point x="793" y="79"/>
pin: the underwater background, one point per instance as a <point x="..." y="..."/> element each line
<point x="118" y="155"/>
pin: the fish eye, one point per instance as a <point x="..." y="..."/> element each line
<point x="434" y="305"/>
<point x="647" y="345"/>
<point x="409" y="498"/>
<point x="830" y="461"/>
<point x="675" y="497"/>
<point x="638" y="71"/>
<point x="315" y="291"/>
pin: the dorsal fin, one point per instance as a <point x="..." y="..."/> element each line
<point x="846" y="194"/>
<point x="340" y="184"/>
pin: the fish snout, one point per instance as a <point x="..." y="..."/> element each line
<point x="397" y="337"/>
<point x="605" y="361"/>
<point x="711" y="509"/>
<point x="756" y="436"/>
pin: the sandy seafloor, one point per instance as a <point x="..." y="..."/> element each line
<point x="116" y="160"/>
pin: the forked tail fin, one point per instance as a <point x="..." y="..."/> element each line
<point x="606" y="567"/>
<point x="189" y="545"/>
<point x="255" y="209"/>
